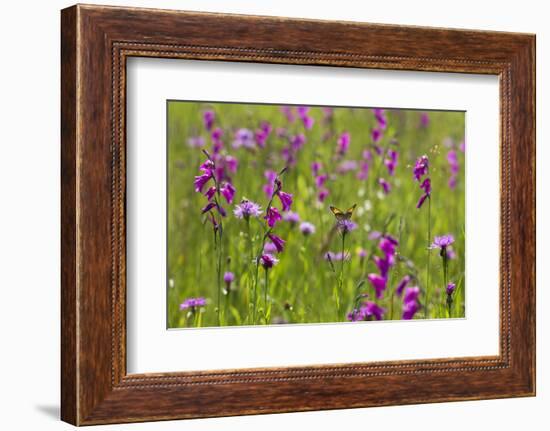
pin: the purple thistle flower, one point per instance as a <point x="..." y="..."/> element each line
<point x="286" y="200"/>
<point x="424" y="119"/>
<point x="307" y="228"/>
<point x="378" y="283"/>
<point x="272" y="216"/>
<point x="386" y="187"/>
<point x="277" y="241"/>
<point x="334" y="257"/>
<point x="347" y="166"/>
<point x="192" y="303"/>
<point x="196" y="142"/>
<point x="442" y="242"/>
<point x="345" y="226"/>
<point x="421" y="167"/>
<point x="228" y="277"/>
<point x="291" y="217"/>
<point x="343" y="143"/>
<point x="243" y="138"/>
<point x="402" y="284"/>
<point x="208" y="118"/>
<point x="268" y="261"/>
<point x="228" y="192"/>
<point x="450" y="288"/>
<point x="247" y="209"/>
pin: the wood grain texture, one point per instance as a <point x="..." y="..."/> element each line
<point x="96" y="41"/>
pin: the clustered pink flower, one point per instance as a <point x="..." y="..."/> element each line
<point x="367" y="311"/>
<point x="421" y="168"/>
<point x="384" y="263"/>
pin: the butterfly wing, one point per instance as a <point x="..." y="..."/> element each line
<point x="337" y="213"/>
<point x="350" y="210"/>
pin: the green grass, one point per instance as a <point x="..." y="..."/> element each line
<point x="302" y="285"/>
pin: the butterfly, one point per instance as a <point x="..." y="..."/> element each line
<point x="341" y="215"/>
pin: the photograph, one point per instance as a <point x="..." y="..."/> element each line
<point x="301" y="214"/>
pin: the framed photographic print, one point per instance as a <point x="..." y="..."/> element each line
<point x="325" y="214"/>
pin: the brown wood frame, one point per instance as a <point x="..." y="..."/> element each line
<point x="95" y="43"/>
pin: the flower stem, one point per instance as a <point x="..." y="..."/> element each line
<point x="429" y="255"/>
<point x="266" y="289"/>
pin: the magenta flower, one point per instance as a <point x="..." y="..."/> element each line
<point x="201" y="180"/>
<point x="386" y="187"/>
<point x="306" y="119"/>
<point x="297" y="142"/>
<point x="366" y="312"/>
<point x="244" y="138"/>
<point x="411" y="294"/>
<point x="277" y="241"/>
<point x="320" y="180"/>
<point x="452" y="159"/>
<point x="291" y="217"/>
<point x="272" y="216"/>
<point x="383" y="264"/>
<point x="231" y="163"/>
<point x="424" y="119"/>
<point x="193" y="303"/>
<point x="450" y="288"/>
<point x="268" y="261"/>
<point x="362" y="253"/>
<point x="322" y="195"/>
<point x="210" y="193"/>
<point x="378" y="283"/>
<point x="410" y="309"/>
<point x="217" y="143"/>
<point x="391" y="162"/>
<point x="381" y="119"/>
<point x="462" y="146"/>
<point x="421" y="167"/>
<point x="228" y="277"/>
<point x="343" y="143"/>
<point x="376" y="135"/>
<point x="286" y="200"/>
<point x="208" y="118"/>
<point x="263" y="133"/>
<point x="247" y="209"/>
<point x="288" y="111"/>
<point x="402" y="284"/>
<point x="363" y="173"/>
<point x="427" y="187"/>
<point x="196" y="142"/>
<point x="316" y="167"/>
<point x="307" y="228"/>
<point x="228" y="192"/>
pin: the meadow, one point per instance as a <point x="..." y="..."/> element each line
<point x="296" y="214"/>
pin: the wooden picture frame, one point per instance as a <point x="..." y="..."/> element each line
<point x="95" y="43"/>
